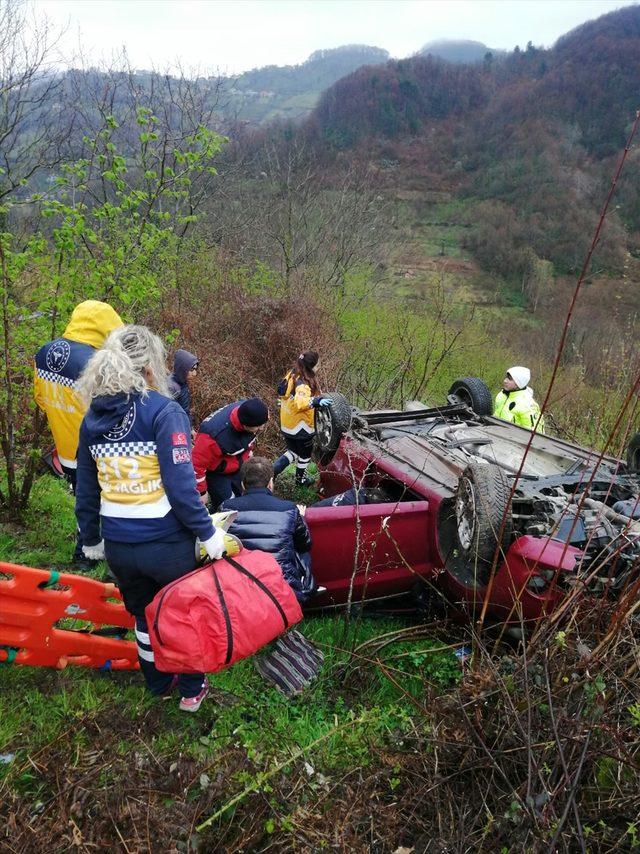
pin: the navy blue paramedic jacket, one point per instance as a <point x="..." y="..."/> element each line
<point x="135" y="475"/>
<point x="222" y="444"/>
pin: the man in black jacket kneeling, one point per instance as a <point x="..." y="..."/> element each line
<point x="273" y="525"/>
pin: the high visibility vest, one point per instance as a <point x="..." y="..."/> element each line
<point x="297" y="415"/>
<point x="520" y="408"/>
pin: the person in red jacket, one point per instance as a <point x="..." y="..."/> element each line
<point x="224" y="441"/>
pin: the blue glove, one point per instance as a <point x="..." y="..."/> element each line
<point x="321" y="401"/>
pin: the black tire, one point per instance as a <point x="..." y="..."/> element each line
<point x="482" y="522"/>
<point x="474" y="393"/>
<point x="633" y="454"/>
<point x="332" y="422"/>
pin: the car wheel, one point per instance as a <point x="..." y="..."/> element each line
<point x="481" y="513"/>
<point x="474" y="393"/>
<point x="633" y="454"/>
<point x="332" y="422"/>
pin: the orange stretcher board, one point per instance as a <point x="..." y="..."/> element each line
<point x="33" y="602"/>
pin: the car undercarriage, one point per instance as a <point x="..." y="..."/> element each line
<point x="489" y="485"/>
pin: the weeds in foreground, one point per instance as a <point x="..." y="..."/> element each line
<point x="530" y="750"/>
<point x="533" y="748"/>
<point x="85" y="746"/>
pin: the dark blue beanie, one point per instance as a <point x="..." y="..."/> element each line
<point x="253" y="412"/>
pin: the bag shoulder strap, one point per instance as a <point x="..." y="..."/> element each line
<point x="225" y="614"/>
<point x="261" y="585"/>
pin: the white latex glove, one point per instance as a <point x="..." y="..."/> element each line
<point x="94" y="552"/>
<point x="204" y="497"/>
<point x="214" y="546"/>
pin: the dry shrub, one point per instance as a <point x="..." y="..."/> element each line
<point x="537" y="750"/>
<point x="247" y="341"/>
<point x="109" y="801"/>
<point x="588" y="415"/>
<point x="534" y="750"/>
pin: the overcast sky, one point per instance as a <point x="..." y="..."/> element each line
<point x="234" y="35"/>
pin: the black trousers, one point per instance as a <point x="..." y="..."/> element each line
<point x="299" y="450"/>
<point x="142" y="569"/>
<point x="223" y="486"/>
<point x="70" y="476"/>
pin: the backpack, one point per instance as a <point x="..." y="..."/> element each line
<point x="218" y="614"/>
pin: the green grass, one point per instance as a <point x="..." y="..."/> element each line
<point x="48" y="536"/>
<point x="354" y="697"/>
<point x="441" y="227"/>
<point x="286" y="487"/>
<point x="408" y="338"/>
<point x="37" y="706"/>
<point x="443" y="241"/>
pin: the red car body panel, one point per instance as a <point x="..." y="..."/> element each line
<point x="399" y="545"/>
<point x="511" y="599"/>
<point x="374" y="550"/>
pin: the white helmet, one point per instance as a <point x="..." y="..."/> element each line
<point x="520" y="375"/>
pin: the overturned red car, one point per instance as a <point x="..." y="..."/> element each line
<point x="450" y="496"/>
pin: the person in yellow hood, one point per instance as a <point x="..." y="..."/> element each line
<point x="58" y="364"/>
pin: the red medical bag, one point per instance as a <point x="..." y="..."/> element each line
<point x="220" y="613"/>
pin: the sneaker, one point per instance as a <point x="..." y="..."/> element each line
<point x="83" y="564"/>
<point x="192" y="704"/>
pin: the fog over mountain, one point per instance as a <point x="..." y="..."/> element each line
<point x="459" y="50"/>
<point x="292" y="91"/>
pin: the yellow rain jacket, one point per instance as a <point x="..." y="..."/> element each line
<point x="297" y="414"/>
<point x="519" y="407"/>
<point x="58" y="365"/>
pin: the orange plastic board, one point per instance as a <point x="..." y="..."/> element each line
<point x="33" y="601"/>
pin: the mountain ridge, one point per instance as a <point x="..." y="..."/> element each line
<point x="459" y="50"/>
<point x="527" y="142"/>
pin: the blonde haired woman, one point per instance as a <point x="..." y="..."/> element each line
<point x="136" y="487"/>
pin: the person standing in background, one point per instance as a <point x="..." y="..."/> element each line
<point x="185" y="370"/>
<point x="58" y="365"/>
<point x="515" y="402"/>
<point x="299" y="394"/>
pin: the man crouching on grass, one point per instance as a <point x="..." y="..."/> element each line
<point x="276" y="526"/>
<point x="273" y="525"/>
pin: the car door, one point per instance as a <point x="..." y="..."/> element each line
<point x="379" y="549"/>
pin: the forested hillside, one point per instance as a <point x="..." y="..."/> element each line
<point x="291" y="91"/>
<point x="527" y="140"/>
<point x="252" y="98"/>
<point x="590" y="77"/>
